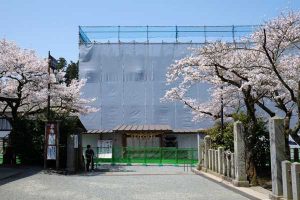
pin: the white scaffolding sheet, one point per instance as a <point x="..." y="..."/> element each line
<point x="128" y="81"/>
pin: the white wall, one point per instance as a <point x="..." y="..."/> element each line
<point x="187" y="140"/>
<point x="143" y="142"/>
<point x="90" y="139"/>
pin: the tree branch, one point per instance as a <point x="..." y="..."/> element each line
<point x="275" y="69"/>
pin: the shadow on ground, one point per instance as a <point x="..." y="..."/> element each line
<point x="103" y="169"/>
<point x="9" y="174"/>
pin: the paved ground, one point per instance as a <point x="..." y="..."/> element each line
<point x="119" y="183"/>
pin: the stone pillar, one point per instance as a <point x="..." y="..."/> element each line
<point x="228" y="164"/>
<point x="209" y="159"/>
<point x="240" y="157"/>
<point x="277" y="150"/>
<point x="207" y="144"/>
<point x="200" y="158"/>
<point x="295" y="171"/>
<point x="216" y="161"/>
<point x="224" y="164"/>
<point x="213" y="159"/>
<point x="287" y="180"/>
<point x="232" y="165"/>
<point x="220" y="159"/>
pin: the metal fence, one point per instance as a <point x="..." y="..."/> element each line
<point x="146" y="155"/>
<point x="167" y="34"/>
<point x="18" y="161"/>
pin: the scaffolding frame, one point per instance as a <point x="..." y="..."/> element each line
<point x="163" y="34"/>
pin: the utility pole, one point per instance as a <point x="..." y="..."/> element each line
<point x="48" y="105"/>
<point x="48" y="115"/>
<point x="51" y="127"/>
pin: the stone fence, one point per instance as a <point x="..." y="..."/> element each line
<point x="228" y="165"/>
<point x="220" y="162"/>
<point x="285" y="175"/>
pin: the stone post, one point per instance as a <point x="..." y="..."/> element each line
<point x="228" y="164"/>
<point x="295" y="171"/>
<point x="209" y="159"/>
<point x="224" y="164"/>
<point x="220" y="159"/>
<point x="240" y="157"/>
<point x="207" y="144"/>
<point x="213" y="159"/>
<point x="287" y="180"/>
<point x="232" y="165"/>
<point x="200" y="158"/>
<point x="277" y="150"/>
<point x="216" y="161"/>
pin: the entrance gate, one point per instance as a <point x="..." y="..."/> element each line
<point x="146" y="155"/>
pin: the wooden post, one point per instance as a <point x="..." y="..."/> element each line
<point x="45" y="147"/>
<point x="57" y="145"/>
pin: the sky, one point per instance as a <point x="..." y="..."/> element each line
<point x="53" y="25"/>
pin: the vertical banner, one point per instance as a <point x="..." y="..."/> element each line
<point x="51" y="140"/>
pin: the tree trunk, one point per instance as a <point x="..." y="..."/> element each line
<point x="251" y="171"/>
<point x="249" y="140"/>
<point x="287" y="132"/>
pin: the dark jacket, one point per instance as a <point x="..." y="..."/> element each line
<point x="89" y="154"/>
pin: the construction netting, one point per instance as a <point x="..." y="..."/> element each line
<point x="128" y="81"/>
<point x="146" y="155"/>
<point x="196" y="34"/>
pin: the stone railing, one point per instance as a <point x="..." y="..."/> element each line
<point x="228" y="165"/>
<point x="290" y="180"/>
<point x="220" y="162"/>
<point x="285" y="175"/>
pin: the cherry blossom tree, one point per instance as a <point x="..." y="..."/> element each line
<point x="24" y="82"/>
<point x="278" y="41"/>
<point x="226" y="67"/>
<point x="260" y="74"/>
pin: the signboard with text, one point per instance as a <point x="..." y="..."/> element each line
<point x="51" y="140"/>
<point x="104" y="148"/>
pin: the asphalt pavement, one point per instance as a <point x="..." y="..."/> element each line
<point x="116" y="183"/>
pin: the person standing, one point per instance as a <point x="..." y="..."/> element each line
<point x="89" y="156"/>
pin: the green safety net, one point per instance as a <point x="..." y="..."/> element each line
<point x="145" y="155"/>
<point x="18" y="161"/>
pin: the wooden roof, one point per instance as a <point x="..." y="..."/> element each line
<point x="188" y="131"/>
<point x="98" y="131"/>
<point x="142" y="128"/>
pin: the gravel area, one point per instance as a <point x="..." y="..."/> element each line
<point x="118" y="183"/>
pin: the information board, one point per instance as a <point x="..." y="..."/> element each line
<point x="104" y="148"/>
